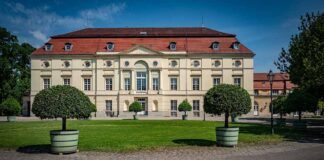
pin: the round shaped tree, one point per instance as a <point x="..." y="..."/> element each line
<point x="227" y="99"/>
<point x="184" y="107"/>
<point x="279" y="106"/>
<point x="62" y="102"/>
<point x="135" y="107"/>
<point x="10" y="107"/>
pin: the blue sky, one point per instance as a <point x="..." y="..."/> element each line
<point x="265" y="26"/>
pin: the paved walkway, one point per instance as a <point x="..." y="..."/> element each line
<point x="283" y="151"/>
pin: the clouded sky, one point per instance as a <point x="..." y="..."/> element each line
<point x="265" y="26"/>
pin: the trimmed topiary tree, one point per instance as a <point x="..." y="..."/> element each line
<point x="227" y="99"/>
<point x="10" y="108"/>
<point x="301" y="101"/>
<point x="135" y="107"/>
<point x="184" y="106"/>
<point x="63" y="102"/>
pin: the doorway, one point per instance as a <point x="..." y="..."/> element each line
<point x="143" y="102"/>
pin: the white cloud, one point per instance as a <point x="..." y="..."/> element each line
<point x="36" y="24"/>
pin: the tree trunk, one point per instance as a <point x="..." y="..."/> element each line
<point x="280" y="115"/>
<point x="322" y="112"/>
<point x="299" y="115"/>
<point x="185" y="113"/>
<point x="226" y="119"/>
<point x="64" y="124"/>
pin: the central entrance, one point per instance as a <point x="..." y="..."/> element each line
<point x="143" y="102"/>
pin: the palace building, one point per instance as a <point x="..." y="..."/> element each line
<point x="158" y="67"/>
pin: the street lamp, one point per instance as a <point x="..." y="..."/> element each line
<point x="270" y="78"/>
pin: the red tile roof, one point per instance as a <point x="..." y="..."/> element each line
<point x="190" y="40"/>
<point x="261" y="81"/>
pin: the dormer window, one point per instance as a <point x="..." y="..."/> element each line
<point x="110" y="46"/>
<point x="68" y="47"/>
<point x="173" y="46"/>
<point x="48" y="47"/>
<point x="215" y="45"/>
<point x="236" y="45"/>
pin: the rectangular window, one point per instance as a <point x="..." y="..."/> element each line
<point x="155" y="84"/>
<point x="174" y="106"/>
<point x="109" y="84"/>
<point x="216" y="81"/>
<point x="66" y="81"/>
<point x="87" y="84"/>
<point x="195" y="83"/>
<point x="256" y="92"/>
<point x="127" y="84"/>
<point x="238" y="81"/>
<point x="275" y="92"/>
<point x="47" y="83"/>
<point x="195" y="105"/>
<point x="141" y="81"/>
<point x="108" y="105"/>
<point x="174" y="83"/>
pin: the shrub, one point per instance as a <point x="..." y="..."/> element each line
<point x="135" y="107"/>
<point x="185" y="106"/>
<point x="10" y="107"/>
<point x="62" y="102"/>
<point x="227" y="99"/>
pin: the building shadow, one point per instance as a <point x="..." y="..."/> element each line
<point x="35" y="149"/>
<point x="194" y="142"/>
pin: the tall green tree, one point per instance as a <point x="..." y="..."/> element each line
<point x="304" y="58"/>
<point x="14" y="66"/>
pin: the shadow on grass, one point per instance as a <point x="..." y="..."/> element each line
<point x="195" y="142"/>
<point x="34" y="149"/>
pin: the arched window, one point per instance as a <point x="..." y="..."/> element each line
<point x="110" y="46"/>
<point x="215" y="45"/>
<point x="173" y="46"/>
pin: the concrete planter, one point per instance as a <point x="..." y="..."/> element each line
<point x="184" y="117"/>
<point x="300" y="124"/>
<point x="64" y="141"/>
<point x="11" y="118"/>
<point x="281" y="122"/>
<point x="227" y="136"/>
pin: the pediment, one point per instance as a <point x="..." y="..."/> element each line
<point x="141" y="50"/>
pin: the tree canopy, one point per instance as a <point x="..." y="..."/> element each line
<point x="301" y="101"/>
<point x="14" y="66"/>
<point x="304" y="58"/>
<point x="184" y="106"/>
<point x="279" y="105"/>
<point x="62" y="101"/>
<point x="135" y="107"/>
<point x="10" y="107"/>
<point x="228" y="99"/>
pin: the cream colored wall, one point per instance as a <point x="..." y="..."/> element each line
<point x="184" y="72"/>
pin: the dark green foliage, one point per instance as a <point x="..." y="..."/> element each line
<point x="135" y="107"/>
<point x="10" y="107"/>
<point x="14" y="66"/>
<point x="301" y="101"/>
<point x="279" y="106"/>
<point x="304" y="58"/>
<point x="62" y="101"/>
<point x="185" y="106"/>
<point x="228" y="99"/>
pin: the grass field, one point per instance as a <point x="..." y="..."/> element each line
<point x="129" y="135"/>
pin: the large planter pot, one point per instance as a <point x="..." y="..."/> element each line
<point x="281" y="122"/>
<point x="11" y="118"/>
<point x="300" y="124"/>
<point x="64" y="141"/>
<point x="184" y="117"/>
<point x="227" y="136"/>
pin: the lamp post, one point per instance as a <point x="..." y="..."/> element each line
<point x="270" y="78"/>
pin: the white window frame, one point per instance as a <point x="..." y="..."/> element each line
<point x="196" y="108"/>
<point x="236" y="82"/>
<point x="127" y="84"/>
<point x="156" y="84"/>
<point x="109" y="105"/>
<point x="173" y="85"/>
<point x="109" y="84"/>
<point x="87" y="84"/>
<point x="67" y="81"/>
<point x="141" y="81"/>
<point x="275" y="92"/>
<point x="174" y="108"/>
<point x="196" y="83"/>
<point x="217" y="81"/>
<point x="46" y="83"/>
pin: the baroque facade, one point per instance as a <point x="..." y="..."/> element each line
<point x="159" y="67"/>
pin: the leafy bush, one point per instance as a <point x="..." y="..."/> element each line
<point x="10" y="107"/>
<point x="301" y="101"/>
<point x="62" y="102"/>
<point x="228" y="99"/>
<point x="185" y="106"/>
<point x="279" y="106"/>
<point x="135" y="107"/>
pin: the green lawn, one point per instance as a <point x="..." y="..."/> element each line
<point x="129" y="135"/>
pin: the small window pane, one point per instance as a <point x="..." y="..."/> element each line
<point x="127" y="84"/>
<point x="174" y="83"/>
<point x="109" y="84"/>
<point x="108" y="105"/>
<point x="195" y="83"/>
<point x="47" y="83"/>
<point x="87" y="84"/>
<point x="66" y="81"/>
<point x="237" y="81"/>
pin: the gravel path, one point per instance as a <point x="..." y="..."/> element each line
<point x="284" y="151"/>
